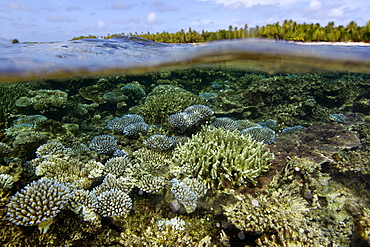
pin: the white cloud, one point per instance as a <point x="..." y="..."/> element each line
<point x="235" y="6"/>
<point x="126" y="21"/>
<point x="73" y="8"/>
<point x="152" y="18"/>
<point x="17" y="6"/>
<point x="314" y="5"/>
<point x="119" y="5"/>
<point x="162" y="7"/>
<point x="59" y="18"/>
<point x="336" y="12"/>
<point x="100" y="24"/>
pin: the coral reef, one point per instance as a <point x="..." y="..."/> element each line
<point x="177" y="170"/>
<point x="226" y="123"/>
<point x="268" y="213"/>
<point x="119" y="124"/>
<point x="291" y="130"/>
<point x="5" y="149"/>
<point x="200" y="111"/>
<point x="54" y="161"/>
<point x="6" y="181"/>
<point x="163" y="101"/>
<point x="337" y="118"/>
<point x="44" y="100"/>
<point x="30" y="138"/>
<point x="103" y="144"/>
<point x="114" y="203"/>
<point x="135" y="129"/>
<point x="37" y="204"/>
<point x="260" y="134"/>
<point x="223" y="159"/>
<point x="318" y="142"/>
<point x="117" y="165"/>
<point x="183" y="119"/>
<point x="151" y="184"/>
<point x="188" y="191"/>
<point x="158" y="142"/>
<point x="30" y="119"/>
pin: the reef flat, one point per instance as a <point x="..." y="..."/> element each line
<point x="196" y="157"/>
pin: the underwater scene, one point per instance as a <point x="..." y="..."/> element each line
<point x="129" y="142"/>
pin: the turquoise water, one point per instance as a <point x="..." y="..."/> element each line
<point x="128" y="142"/>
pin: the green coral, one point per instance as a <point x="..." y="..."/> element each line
<point x="44" y="100"/>
<point x="223" y="159"/>
<point x="163" y="101"/>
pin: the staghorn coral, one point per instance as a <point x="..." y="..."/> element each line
<point x="114" y="203"/>
<point x="44" y="100"/>
<point x="188" y="191"/>
<point x="119" y="124"/>
<point x="222" y="158"/>
<point x="158" y="142"/>
<point x="38" y="203"/>
<point x="260" y="134"/>
<point x="226" y="123"/>
<point x="103" y="144"/>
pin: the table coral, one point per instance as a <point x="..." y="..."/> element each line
<point x="158" y="142"/>
<point x="103" y="144"/>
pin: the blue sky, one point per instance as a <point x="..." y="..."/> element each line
<point x="61" y="20"/>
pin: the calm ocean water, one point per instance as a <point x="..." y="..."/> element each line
<point x="129" y="142"/>
<point x="135" y="55"/>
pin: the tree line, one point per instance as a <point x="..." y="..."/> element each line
<point x="288" y="30"/>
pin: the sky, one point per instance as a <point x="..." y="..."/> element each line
<point x="61" y="20"/>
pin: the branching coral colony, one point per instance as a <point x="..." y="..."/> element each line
<point x="199" y="171"/>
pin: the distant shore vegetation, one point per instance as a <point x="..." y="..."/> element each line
<point x="288" y="30"/>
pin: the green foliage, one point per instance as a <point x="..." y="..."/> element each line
<point x="14" y="41"/>
<point x="288" y="30"/>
